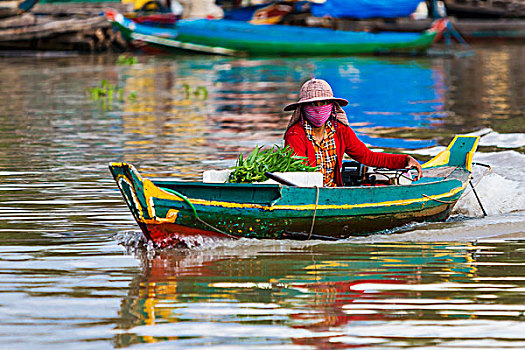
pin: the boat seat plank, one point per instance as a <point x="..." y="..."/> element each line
<point x="442" y="172"/>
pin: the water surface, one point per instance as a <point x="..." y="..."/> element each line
<point x="75" y="272"/>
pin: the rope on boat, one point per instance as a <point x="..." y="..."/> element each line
<point x="472" y="189"/>
<point x="185" y="199"/>
<point x="488" y="171"/>
<point x="438" y="200"/>
<point x="315" y="211"/>
<point x="473" y="186"/>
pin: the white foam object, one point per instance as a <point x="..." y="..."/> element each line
<point x="216" y="176"/>
<point x="301" y="179"/>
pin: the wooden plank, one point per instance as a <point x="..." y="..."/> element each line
<point x="53" y="28"/>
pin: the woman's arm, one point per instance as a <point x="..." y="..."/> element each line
<point x="356" y="149"/>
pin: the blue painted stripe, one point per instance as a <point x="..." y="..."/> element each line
<point x="234" y="30"/>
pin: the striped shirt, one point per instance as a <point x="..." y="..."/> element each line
<point x="325" y="152"/>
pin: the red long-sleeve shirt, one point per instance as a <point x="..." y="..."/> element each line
<point x="347" y="142"/>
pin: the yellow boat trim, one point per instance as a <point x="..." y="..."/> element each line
<point x="443" y="157"/>
<point x="134" y="200"/>
<point x="157" y="192"/>
<point x="470" y="156"/>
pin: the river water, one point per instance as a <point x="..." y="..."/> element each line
<point x="75" y="272"/>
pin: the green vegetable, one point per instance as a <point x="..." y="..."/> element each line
<point x="259" y="161"/>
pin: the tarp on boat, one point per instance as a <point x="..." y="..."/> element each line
<point x="364" y="8"/>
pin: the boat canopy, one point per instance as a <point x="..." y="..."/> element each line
<point x="364" y="8"/>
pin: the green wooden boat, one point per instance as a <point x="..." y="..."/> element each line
<point x="228" y="37"/>
<point x="172" y="212"/>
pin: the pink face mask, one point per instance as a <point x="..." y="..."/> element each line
<point x="318" y="115"/>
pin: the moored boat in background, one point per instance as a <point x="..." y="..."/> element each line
<point x="229" y="37"/>
<point x="156" y="19"/>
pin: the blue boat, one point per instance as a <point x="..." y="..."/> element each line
<point x="229" y="37"/>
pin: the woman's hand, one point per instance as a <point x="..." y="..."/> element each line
<point x="412" y="163"/>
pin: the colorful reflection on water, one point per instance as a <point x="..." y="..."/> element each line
<point x="321" y="296"/>
<point x="246" y="97"/>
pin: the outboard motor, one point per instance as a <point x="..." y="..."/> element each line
<point x="353" y="173"/>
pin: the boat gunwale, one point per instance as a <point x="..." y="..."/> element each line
<point x="165" y="183"/>
<point x="414" y="196"/>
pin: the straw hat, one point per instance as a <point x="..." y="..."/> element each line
<point x="315" y="90"/>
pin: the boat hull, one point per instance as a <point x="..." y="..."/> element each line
<point x="327" y="228"/>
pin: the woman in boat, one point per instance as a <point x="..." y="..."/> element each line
<point x="319" y="130"/>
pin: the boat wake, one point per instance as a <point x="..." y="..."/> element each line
<point x="501" y="192"/>
<point x="136" y="244"/>
<point x="491" y="138"/>
<point x="458" y="229"/>
<point x="133" y="241"/>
